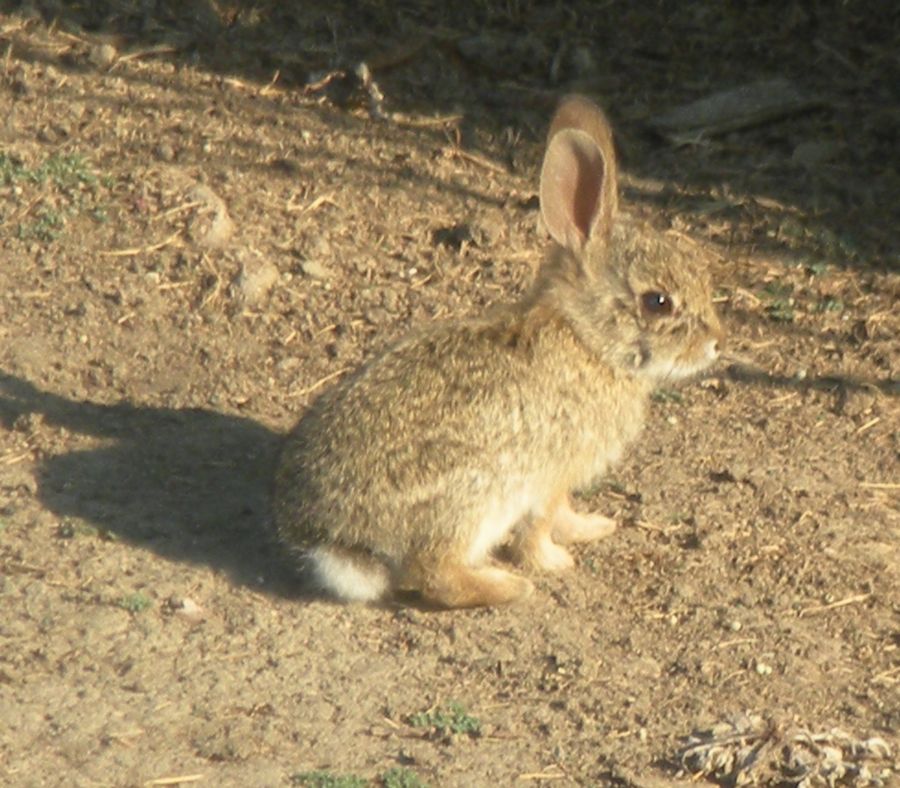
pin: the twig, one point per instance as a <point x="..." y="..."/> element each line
<point x="416" y="122"/>
<point x="320" y="200"/>
<point x="474" y="158"/>
<point x="19" y="215"/>
<point x="161" y="49"/>
<point x="320" y="81"/>
<point x="180" y="778"/>
<point x="136" y="250"/>
<point x="321" y="382"/>
<point x="12" y="459"/>
<point x="541" y="776"/>
<point x="844" y="61"/>
<point x="734" y="642"/>
<point x="783" y="398"/>
<point x="178" y="209"/>
<point x="850" y="600"/>
<point x="880" y="485"/>
<point x="659" y="529"/>
<point x="886" y="676"/>
<point x="216" y="285"/>
<point x="264" y="91"/>
<point x="868" y="425"/>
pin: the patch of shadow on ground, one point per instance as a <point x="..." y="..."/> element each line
<point x="190" y="484"/>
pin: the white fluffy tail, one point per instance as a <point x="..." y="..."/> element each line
<point x="348" y="575"/>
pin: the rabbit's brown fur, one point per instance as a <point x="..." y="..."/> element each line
<point x="411" y="471"/>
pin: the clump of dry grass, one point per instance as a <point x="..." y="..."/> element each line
<point x="751" y="750"/>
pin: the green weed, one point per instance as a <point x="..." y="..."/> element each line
<point x="65" y="170"/>
<point x="830" y="304"/>
<point x="451" y="719"/>
<point x="667" y="395"/>
<point x="60" y="187"/>
<point x="134" y="603"/>
<point x="325" y="779"/>
<point x="780" y="304"/>
<point x="398" y="777"/>
<point x="72" y="527"/>
<point x="47" y="226"/>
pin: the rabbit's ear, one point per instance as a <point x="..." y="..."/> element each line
<point x="578" y="178"/>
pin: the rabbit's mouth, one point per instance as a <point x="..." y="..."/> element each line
<point x="673" y="369"/>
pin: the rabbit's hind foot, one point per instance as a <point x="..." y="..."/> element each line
<point x="457" y="585"/>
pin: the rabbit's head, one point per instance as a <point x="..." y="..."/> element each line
<point x="636" y="299"/>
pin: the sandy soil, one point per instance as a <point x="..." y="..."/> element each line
<point x="202" y="224"/>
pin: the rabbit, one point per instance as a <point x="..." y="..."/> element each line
<point x="467" y="436"/>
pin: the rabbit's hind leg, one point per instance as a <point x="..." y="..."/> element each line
<point x="451" y="583"/>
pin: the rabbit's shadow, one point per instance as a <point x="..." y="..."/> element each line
<point x="190" y="484"/>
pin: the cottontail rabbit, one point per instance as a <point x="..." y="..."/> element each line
<point x="471" y="434"/>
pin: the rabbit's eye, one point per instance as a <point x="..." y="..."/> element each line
<point x="656" y="303"/>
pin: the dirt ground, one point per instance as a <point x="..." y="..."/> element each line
<point x="205" y="219"/>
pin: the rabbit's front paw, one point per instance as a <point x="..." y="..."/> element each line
<point x="570" y="526"/>
<point x="533" y="547"/>
<point x="546" y="554"/>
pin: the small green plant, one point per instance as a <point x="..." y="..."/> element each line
<point x="781" y="311"/>
<point x="65" y="170"/>
<point x="776" y="290"/>
<point x="135" y="603"/>
<point x="667" y="395"/>
<point x="47" y="225"/>
<point x="325" y="779"/>
<point x="451" y="719"/>
<point x="53" y="191"/>
<point x="780" y="304"/>
<point x="68" y="170"/>
<point x="830" y="304"/>
<point x="74" y="526"/>
<point x="398" y="777"/>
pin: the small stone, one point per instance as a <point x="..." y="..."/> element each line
<point x="48" y="135"/>
<point x="256" y="279"/>
<point x="316" y="270"/>
<point x="103" y="55"/>
<point x="214" y="233"/>
<point x="376" y="315"/>
<point x="165" y="152"/>
<point x="187" y="609"/>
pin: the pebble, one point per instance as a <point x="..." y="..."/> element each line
<point x="103" y="55"/>
<point x="165" y="152"/>
<point x="256" y="279"/>
<point x="316" y="270"/>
